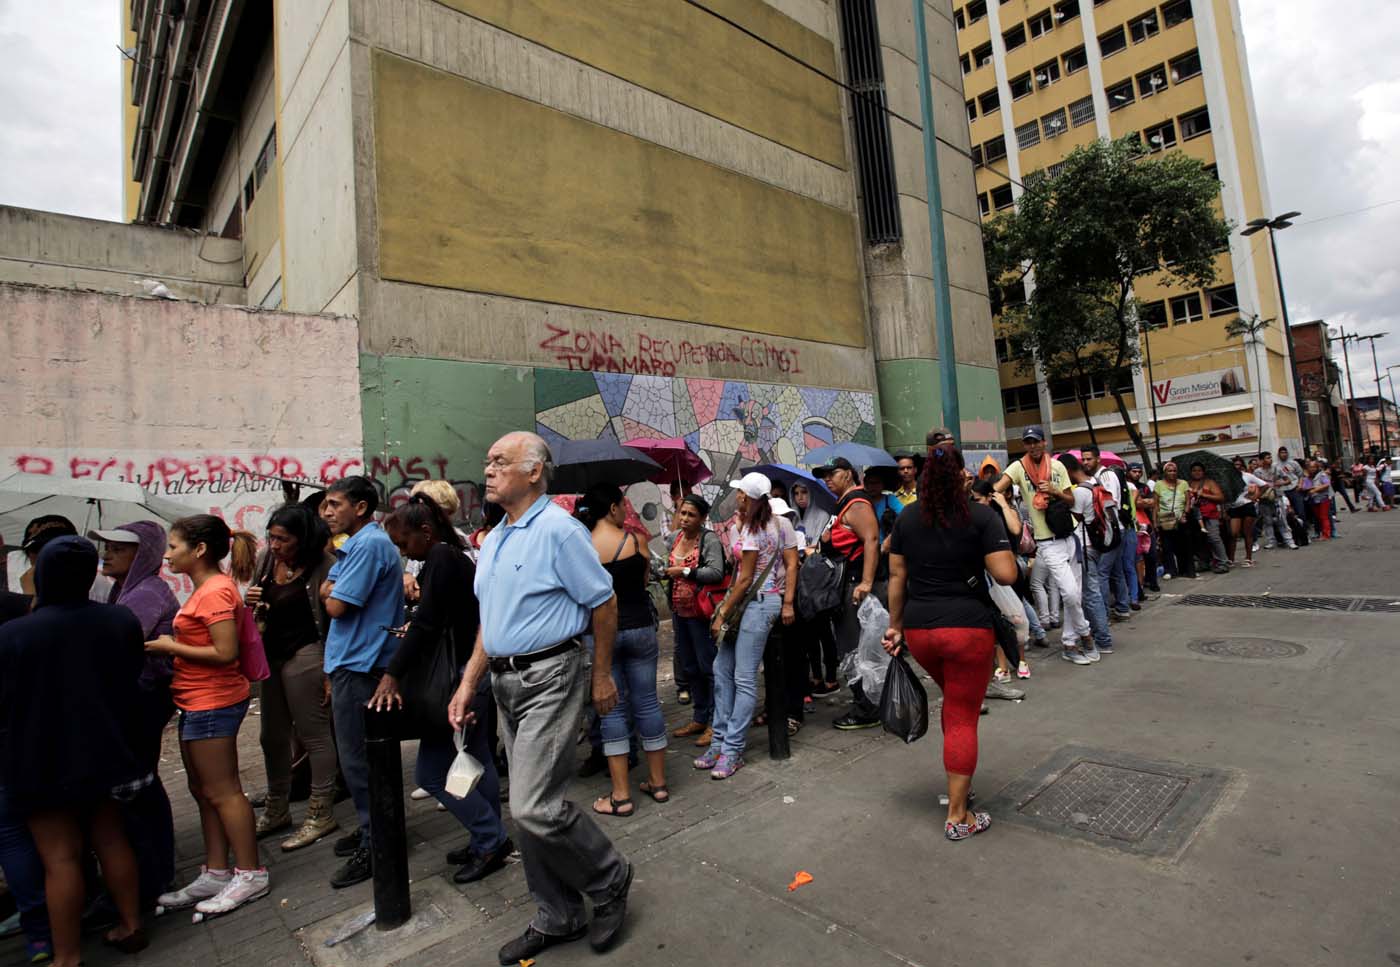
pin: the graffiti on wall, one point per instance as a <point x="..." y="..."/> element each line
<point x="593" y="350"/>
<point x="731" y="423"/>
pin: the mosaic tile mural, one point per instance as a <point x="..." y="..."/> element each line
<point x="730" y="423"/>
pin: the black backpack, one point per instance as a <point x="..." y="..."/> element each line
<point x="819" y="585"/>
<point x="1125" y="503"/>
<point x="1059" y="517"/>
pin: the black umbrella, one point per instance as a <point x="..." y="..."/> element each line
<point x="580" y="464"/>
<point x="1219" y="469"/>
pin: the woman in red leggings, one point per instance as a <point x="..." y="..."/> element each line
<point x="939" y="607"/>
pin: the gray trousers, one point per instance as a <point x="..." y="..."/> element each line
<point x="291" y="708"/>
<point x="566" y="855"/>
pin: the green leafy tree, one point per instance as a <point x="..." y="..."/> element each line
<point x="1111" y="215"/>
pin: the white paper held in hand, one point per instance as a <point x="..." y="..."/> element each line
<point x="465" y="772"/>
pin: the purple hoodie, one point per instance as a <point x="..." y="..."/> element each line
<point x="144" y="592"/>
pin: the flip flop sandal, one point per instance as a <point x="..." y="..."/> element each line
<point x="615" y="807"/>
<point x="657" y="793"/>
<point x="793" y="727"/>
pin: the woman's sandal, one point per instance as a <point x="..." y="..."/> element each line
<point x="660" y="793"/>
<point x="793" y="726"/>
<point x="615" y="807"/>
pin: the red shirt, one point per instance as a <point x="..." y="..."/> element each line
<point x="845" y="541"/>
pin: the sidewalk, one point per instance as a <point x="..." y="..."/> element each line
<point x="1293" y="863"/>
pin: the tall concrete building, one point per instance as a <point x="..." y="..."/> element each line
<point x="602" y="219"/>
<point x="1041" y="77"/>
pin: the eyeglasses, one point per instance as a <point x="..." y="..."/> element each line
<point x="501" y="464"/>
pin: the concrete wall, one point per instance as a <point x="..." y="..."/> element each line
<point x="44" y="248"/>
<point x="187" y="400"/>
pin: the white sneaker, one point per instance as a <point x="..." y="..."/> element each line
<point x="419" y="793"/>
<point x="244" y="887"/>
<point x="1001" y="676"/>
<point x="205" y="885"/>
<point x="1092" y="652"/>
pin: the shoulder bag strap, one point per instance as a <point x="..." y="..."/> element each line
<point x="625" y="537"/>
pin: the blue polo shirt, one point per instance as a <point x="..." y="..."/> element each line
<point x="369" y="575"/>
<point x="538" y="581"/>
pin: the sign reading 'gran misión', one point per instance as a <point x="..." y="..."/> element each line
<point x="1199" y="386"/>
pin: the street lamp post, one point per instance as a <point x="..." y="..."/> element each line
<point x="1380" y="399"/>
<point x="1278" y="224"/>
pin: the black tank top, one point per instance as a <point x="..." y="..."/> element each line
<point x="629" y="581"/>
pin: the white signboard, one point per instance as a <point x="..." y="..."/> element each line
<point x="1199" y="386"/>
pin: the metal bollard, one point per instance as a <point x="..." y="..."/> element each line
<point x="775" y="694"/>
<point x="389" y="842"/>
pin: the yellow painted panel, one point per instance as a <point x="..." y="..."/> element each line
<point x="674" y="49"/>
<point x="482" y="191"/>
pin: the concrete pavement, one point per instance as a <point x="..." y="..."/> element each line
<point x="1292" y="864"/>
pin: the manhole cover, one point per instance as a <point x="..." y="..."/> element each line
<point x="1262" y="648"/>
<point x="1274" y="602"/>
<point x="1107" y="800"/>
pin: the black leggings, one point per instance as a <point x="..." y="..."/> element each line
<point x="820" y="644"/>
<point x="1179" y="551"/>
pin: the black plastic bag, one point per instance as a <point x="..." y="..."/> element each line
<point x="903" y="702"/>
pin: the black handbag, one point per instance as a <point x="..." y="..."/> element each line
<point x="819" y="585"/>
<point x="428" y="687"/>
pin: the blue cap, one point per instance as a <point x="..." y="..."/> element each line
<point x="1033" y="433"/>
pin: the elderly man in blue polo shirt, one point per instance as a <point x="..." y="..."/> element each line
<point x="363" y="594"/>
<point x="541" y="587"/>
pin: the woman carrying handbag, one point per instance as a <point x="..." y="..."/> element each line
<point x="424" y="672"/>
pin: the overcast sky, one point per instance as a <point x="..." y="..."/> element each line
<point x="1326" y="80"/>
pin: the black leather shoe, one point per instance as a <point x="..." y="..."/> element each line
<point x="479" y="867"/>
<point x="460" y="855"/>
<point x="608" y="917"/>
<point x="358" y="868"/>
<point x="532" y="942"/>
<point x="851" y="722"/>
<point x="346" y="845"/>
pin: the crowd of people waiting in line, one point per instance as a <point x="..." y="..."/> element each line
<point x="511" y="635"/>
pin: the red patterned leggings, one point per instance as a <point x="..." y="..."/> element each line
<point x="960" y="661"/>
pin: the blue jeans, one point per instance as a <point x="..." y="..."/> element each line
<point x="1037" y="630"/>
<point x="1127" y="569"/>
<point x="1112" y="584"/>
<point x="479" y="812"/>
<point x="736" y="675"/>
<point x="350" y="693"/>
<point x="634" y="673"/>
<point x="1095" y="589"/>
<point x="695" y="647"/>
<point x="24" y="871"/>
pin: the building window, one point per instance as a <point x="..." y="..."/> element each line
<point x="972" y="110"/>
<point x="1186" y="308"/>
<point x="1144" y="27"/>
<point x="1053" y="124"/>
<point x="994" y="150"/>
<point x="1014" y="37"/>
<point x="1222" y="300"/>
<point x="1160" y="137"/>
<point x="1047" y="73"/>
<point x="1119" y="95"/>
<point x="249" y="190"/>
<point x="966" y="63"/>
<point x="984" y="204"/>
<point x="1021" y="86"/>
<point x="1063" y="391"/>
<point x="870" y="126"/>
<point x="1003" y="350"/>
<point x="1075" y="60"/>
<point x="976" y="154"/>
<point x="1194" y="124"/>
<point x="1002" y="197"/>
<point x="989" y="101"/>
<point x="976" y="10"/>
<point x="1152" y="315"/>
<point x="1042" y="23"/>
<point x="1187" y="65"/>
<point x="1028" y="135"/>
<point x="982" y="56"/>
<point x="1213" y="170"/>
<point x="1151" y="81"/>
<point x="1020" y="399"/>
<point x="959" y="19"/>
<point x="1054" y="170"/>
<point x="1175" y="12"/>
<point x="1112" y="42"/>
<point x="1081" y="112"/>
<point x="1067" y="10"/>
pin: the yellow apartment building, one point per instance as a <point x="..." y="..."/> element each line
<point x="1042" y="77"/>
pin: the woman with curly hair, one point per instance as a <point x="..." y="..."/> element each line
<point x="940" y="609"/>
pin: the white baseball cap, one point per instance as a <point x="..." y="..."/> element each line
<point x="115" y="536"/>
<point x="754" y="485"/>
<point x="780" y="507"/>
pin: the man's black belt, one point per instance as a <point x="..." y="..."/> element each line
<point x="515" y="663"/>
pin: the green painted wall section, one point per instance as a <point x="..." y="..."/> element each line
<point x="437" y="417"/>
<point x="911" y="403"/>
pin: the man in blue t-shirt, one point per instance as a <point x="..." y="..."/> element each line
<point x="364" y="598"/>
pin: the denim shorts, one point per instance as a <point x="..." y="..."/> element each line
<point x="212" y="723"/>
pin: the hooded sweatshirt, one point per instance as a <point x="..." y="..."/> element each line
<point x="144" y="592"/>
<point x="68" y="692"/>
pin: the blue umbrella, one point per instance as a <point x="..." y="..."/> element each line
<point x="789" y="475"/>
<point x="580" y="464"/>
<point x="860" y="455"/>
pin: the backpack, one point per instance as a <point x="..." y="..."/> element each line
<point x="819" y="584"/>
<point x="1105" y="531"/>
<point x="1125" y="505"/>
<point x="1059" y="517"/>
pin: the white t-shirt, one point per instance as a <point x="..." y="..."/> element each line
<point x="1250" y="480"/>
<point x="778" y="536"/>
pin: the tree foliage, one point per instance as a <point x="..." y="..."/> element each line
<point x="1111" y="215"/>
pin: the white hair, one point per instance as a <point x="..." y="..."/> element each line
<point x="537" y="451"/>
